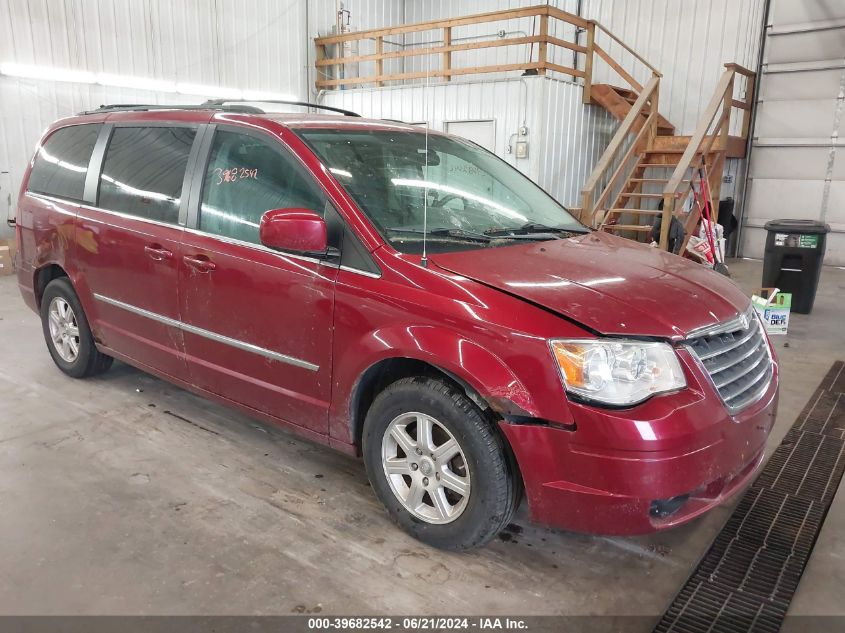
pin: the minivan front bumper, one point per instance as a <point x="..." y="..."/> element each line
<point x="643" y="469"/>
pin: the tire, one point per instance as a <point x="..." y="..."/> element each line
<point x="463" y="521"/>
<point x="70" y="342"/>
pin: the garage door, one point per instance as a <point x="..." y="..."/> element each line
<point x="797" y="167"/>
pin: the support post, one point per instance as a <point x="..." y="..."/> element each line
<point x="320" y="54"/>
<point x="380" y="60"/>
<point x="665" y="223"/>
<point x="543" y="49"/>
<point x="586" y="216"/>
<point x="447" y="56"/>
<point x="749" y="105"/>
<point x="588" y="61"/>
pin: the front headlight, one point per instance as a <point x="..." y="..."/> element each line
<point x="617" y="372"/>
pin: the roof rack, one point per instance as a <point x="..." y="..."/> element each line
<point x="144" y="107"/>
<point x="226" y="105"/>
<point x="304" y="104"/>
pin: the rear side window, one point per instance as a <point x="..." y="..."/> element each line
<point x="246" y="177"/>
<point x="143" y="171"/>
<point x="62" y="162"/>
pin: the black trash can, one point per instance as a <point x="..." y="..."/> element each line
<point x="793" y="260"/>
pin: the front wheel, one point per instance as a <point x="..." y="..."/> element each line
<point x="438" y="465"/>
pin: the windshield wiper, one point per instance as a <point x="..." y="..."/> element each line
<point x="533" y="229"/>
<point x="444" y="232"/>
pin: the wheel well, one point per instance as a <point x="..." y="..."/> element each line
<point x="384" y="373"/>
<point x="44" y="276"/>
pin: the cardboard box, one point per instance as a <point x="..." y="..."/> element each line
<point x="773" y="307"/>
<point x="6" y="267"/>
<point x="12" y="243"/>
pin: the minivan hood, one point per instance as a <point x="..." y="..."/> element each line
<point x="607" y="283"/>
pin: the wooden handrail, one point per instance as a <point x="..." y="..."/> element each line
<point x="742" y="70"/>
<point x="588" y="205"/>
<point x="628" y="48"/>
<point x="702" y="142"/>
<point x="544" y="40"/>
<point x="431" y="25"/>
<point x="694" y="145"/>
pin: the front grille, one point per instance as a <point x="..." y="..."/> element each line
<point x="736" y="355"/>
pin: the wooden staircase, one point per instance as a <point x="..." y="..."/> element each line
<point x="618" y="102"/>
<point x="647" y="171"/>
<point x="645" y="161"/>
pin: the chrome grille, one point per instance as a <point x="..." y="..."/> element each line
<point x="736" y="355"/>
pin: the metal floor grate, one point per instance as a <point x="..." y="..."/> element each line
<point x="747" y="578"/>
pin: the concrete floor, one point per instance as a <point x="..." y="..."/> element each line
<point x="125" y="495"/>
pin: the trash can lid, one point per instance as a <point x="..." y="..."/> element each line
<point x="797" y="226"/>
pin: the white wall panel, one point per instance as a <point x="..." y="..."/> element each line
<point x="256" y="44"/>
<point x="689" y="42"/>
<point x="797" y="165"/>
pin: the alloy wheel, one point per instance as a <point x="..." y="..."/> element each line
<point x="426" y="468"/>
<point x="64" y="329"/>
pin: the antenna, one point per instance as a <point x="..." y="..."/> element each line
<point x="426" y="112"/>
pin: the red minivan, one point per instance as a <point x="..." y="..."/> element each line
<point x="403" y="295"/>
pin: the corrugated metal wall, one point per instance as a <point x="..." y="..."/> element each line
<point x="266" y="45"/>
<point x="257" y="45"/>
<point x="687" y="41"/>
<point x="566" y="138"/>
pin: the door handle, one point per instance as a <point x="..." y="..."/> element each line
<point x="157" y="252"/>
<point x="200" y="263"/>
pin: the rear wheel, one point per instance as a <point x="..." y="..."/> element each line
<point x="437" y="464"/>
<point x="67" y="333"/>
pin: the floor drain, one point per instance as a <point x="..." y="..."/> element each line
<point x="747" y="578"/>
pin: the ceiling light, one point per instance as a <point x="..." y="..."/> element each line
<point x="208" y="91"/>
<point x="47" y="73"/>
<point x="259" y="95"/>
<point x="136" y="83"/>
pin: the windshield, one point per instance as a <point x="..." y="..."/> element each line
<point x="475" y="200"/>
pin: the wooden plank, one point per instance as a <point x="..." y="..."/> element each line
<point x="446" y="62"/>
<point x="638" y="211"/>
<point x="620" y="137"/>
<point x="588" y="62"/>
<point x="479" y="18"/>
<point x="434" y="50"/>
<point x="621" y="166"/>
<point x="749" y="102"/>
<point x="736" y="103"/>
<point x="615" y="66"/>
<point x="571" y="18"/>
<point x="629" y="49"/>
<point x="697" y="138"/>
<point x="556" y="41"/>
<point x="380" y="60"/>
<point x="742" y="70"/>
<point x="564" y="69"/>
<point x="542" y="53"/>
<point x="423" y="74"/>
<point x="627" y="227"/>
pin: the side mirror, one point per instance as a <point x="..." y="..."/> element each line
<point x="298" y="230"/>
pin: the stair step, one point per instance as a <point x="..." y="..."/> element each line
<point x="663" y="165"/>
<point x="642" y="228"/>
<point x="636" y="211"/>
<point x="657" y="180"/>
<point x="640" y="195"/>
<point x="666" y="151"/>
